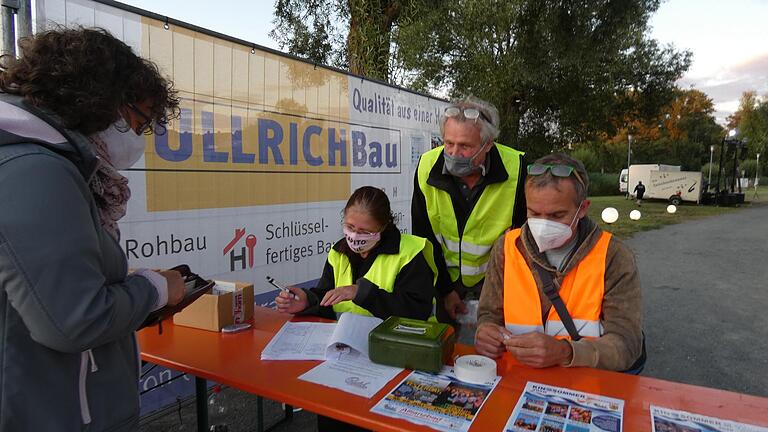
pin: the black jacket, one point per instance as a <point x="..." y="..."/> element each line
<point x="412" y="294"/>
<point x="461" y="207"/>
<point x="640" y="190"/>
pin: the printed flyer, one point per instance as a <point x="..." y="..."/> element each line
<point x="555" y="409"/>
<point x="669" y="420"/>
<point x="439" y="401"/>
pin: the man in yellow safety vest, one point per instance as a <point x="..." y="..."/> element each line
<point x="465" y="196"/>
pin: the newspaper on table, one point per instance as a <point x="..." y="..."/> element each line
<point x="669" y="420"/>
<point x="439" y="401"/>
<point x="556" y="409"/>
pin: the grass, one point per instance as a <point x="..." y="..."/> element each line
<point x="654" y="213"/>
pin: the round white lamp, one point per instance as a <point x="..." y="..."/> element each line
<point x="635" y="215"/>
<point x="610" y="215"/>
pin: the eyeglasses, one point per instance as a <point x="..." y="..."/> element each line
<point x="146" y="126"/>
<point x="536" y="169"/>
<point x="469" y="113"/>
<point x="351" y="228"/>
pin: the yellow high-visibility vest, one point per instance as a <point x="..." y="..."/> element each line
<point x="383" y="271"/>
<point x="467" y="255"/>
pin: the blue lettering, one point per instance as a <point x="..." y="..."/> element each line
<point x="266" y="142"/>
<point x="358" y="149"/>
<point x="238" y="156"/>
<point x="308" y="156"/>
<point x="209" y="144"/>
<point x="374" y="158"/>
<point x="293" y="149"/>
<point x="356" y="99"/>
<point x="337" y="146"/>
<point x="185" y="140"/>
<point x="391" y="161"/>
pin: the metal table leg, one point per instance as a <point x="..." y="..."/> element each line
<point x="260" y="416"/>
<point x="201" y="404"/>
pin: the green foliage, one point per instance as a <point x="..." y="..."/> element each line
<point x="559" y="72"/>
<point x="681" y="134"/>
<point x="751" y="120"/>
<point x="603" y="184"/>
<point x="305" y="28"/>
<point x="350" y="34"/>
<point x="588" y="157"/>
<point x="748" y="167"/>
<point x="705" y="169"/>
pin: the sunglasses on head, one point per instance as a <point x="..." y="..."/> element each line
<point x="536" y="169"/>
<point x="469" y="113"/>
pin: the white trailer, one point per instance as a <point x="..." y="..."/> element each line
<point x="641" y="173"/>
<point x="675" y="186"/>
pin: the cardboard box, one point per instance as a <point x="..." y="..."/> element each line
<point x="219" y="308"/>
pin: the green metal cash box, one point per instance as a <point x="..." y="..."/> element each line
<point x="411" y="344"/>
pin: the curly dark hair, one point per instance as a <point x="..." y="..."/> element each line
<point x="85" y="75"/>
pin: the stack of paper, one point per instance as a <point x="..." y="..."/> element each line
<point x="299" y="341"/>
<point x="345" y="347"/>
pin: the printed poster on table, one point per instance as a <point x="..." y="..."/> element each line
<point x="439" y="401"/>
<point x="669" y="420"/>
<point x="555" y="409"/>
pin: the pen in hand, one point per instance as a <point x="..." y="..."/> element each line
<point x="272" y="282"/>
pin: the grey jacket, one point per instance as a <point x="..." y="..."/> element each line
<point x="68" y="312"/>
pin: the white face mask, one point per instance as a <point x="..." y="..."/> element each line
<point x="124" y="148"/>
<point x="550" y="234"/>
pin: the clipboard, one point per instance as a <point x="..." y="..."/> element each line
<point x="199" y="286"/>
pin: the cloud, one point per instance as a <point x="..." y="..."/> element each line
<point x="726" y="86"/>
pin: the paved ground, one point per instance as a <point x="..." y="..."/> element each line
<point x="705" y="286"/>
<point x="706" y="313"/>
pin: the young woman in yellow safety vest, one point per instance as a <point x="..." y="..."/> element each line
<point x="374" y="270"/>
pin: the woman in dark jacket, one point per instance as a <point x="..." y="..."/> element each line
<point x="74" y="109"/>
<point x="374" y="270"/>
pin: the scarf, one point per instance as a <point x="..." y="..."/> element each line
<point x="110" y="190"/>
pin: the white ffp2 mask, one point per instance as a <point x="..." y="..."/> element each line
<point x="549" y="234"/>
<point x="123" y="148"/>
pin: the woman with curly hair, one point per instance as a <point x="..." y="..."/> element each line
<point x="74" y="109"/>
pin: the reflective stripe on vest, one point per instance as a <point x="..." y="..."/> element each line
<point x="468" y="255"/>
<point x="383" y="271"/>
<point x="582" y="292"/>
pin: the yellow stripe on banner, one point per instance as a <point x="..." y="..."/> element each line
<point x="255" y="128"/>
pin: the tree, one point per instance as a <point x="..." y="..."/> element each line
<point x="350" y="34"/>
<point x="751" y="121"/>
<point x="560" y="72"/>
<point x="680" y="134"/>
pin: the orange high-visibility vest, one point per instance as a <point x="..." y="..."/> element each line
<point x="582" y="292"/>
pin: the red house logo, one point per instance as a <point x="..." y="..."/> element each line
<point x="245" y="251"/>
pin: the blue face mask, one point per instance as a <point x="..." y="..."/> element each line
<point x="462" y="166"/>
